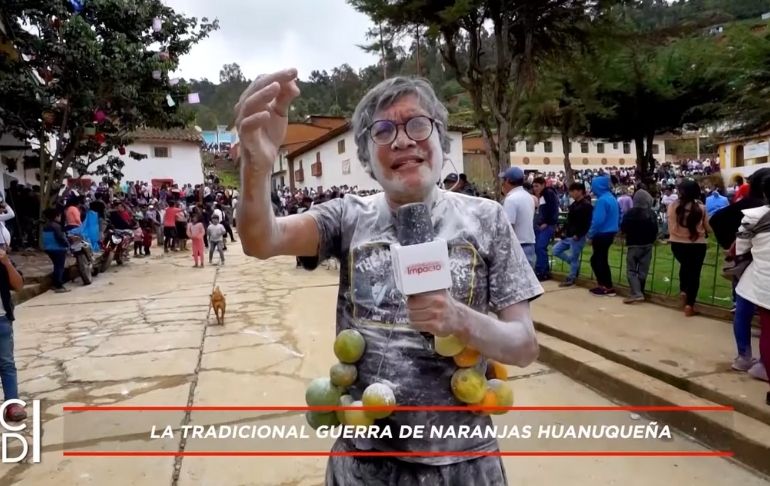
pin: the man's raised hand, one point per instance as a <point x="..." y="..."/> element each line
<point x="261" y="117"/>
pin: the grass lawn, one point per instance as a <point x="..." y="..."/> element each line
<point x="664" y="272"/>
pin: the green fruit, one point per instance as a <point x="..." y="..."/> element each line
<point x="345" y="401"/>
<point x="378" y="395"/>
<point x="448" y="346"/>
<point x="504" y="394"/>
<point x="317" y="419"/>
<point x="469" y="385"/>
<point x="357" y="417"/>
<point x="349" y="346"/>
<point x="321" y="393"/>
<point x="343" y="375"/>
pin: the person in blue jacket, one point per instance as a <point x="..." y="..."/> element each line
<point x="605" y="223"/>
<point x="55" y="244"/>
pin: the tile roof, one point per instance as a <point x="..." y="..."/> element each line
<point x="171" y="135"/>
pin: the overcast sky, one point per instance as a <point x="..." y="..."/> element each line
<point x="268" y="35"/>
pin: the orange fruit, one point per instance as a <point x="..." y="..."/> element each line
<point x="378" y="395"/>
<point x="321" y="393"/>
<point x="489" y="400"/>
<point x="349" y="346"/>
<point x="468" y="357"/>
<point x="503" y="394"/>
<point x="317" y="419"/>
<point x="343" y="375"/>
<point x="496" y="370"/>
<point x="469" y="385"/>
<point x="357" y="417"/>
<point x="448" y="346"/>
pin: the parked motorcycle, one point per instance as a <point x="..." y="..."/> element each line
<point x="84" y="257"/>
<point x="115" y="246"/>
<point x="80" y="248"/>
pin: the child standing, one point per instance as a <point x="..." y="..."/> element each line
<point x="195" y="232"/>
<point x="148" y="233"/>
<point x="216" y="233"/>
<point x="138" y="240"/>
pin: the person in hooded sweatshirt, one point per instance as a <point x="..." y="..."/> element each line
<point x="640" y="226"/>
<point x="604" y="227"/>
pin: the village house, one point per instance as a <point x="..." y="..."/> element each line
<point x="173" y="157"/>
<point x="744" y="155"/>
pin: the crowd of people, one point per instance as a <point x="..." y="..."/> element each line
<point x="676" y="207"/>
<point x="168" y="215"/>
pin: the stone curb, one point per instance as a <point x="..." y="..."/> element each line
<point x="705" y="310"/>
<point x="41" y="285"/>
<point x="746" y="437"/>
<point x="760" y="411"/>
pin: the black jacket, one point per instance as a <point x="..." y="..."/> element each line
<point x="548" y="212"/>
<point x="726" y="221"/>
<point x="579" y="218"/>
<point x="640" y="225"/>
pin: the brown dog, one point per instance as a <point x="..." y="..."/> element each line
<point x="218" y="304"/>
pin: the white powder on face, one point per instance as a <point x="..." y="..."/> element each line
<point x="429" y="171"/>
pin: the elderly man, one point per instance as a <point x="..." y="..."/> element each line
<point x="400" y="131"/>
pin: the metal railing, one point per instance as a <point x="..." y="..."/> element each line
<point x="663" y="276"/>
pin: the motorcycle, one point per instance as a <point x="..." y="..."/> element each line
<point x="115" y="246"/>
<point x="84" y="257"/>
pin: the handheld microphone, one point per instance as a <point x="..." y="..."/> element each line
<point x="420" y="260"/>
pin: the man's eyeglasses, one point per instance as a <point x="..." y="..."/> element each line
<point x="418" y="128"/>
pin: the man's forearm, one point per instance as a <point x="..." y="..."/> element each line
<point x="510" y="341"/>
<point x="257" y="224"/>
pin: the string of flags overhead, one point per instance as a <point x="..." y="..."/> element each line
<point x="192" y="98"/>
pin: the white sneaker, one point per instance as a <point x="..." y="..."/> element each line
<point x="758" y="372"/>
<point x="743" y="363"/>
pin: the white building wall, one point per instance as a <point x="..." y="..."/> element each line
<point x="183" y="165"/>
<point x="614" y="154"/>
<point x="354" y="175"/>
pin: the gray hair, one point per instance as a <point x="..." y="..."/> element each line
<point x="384" y="95"/>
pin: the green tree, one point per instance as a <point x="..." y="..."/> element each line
<point x="747" y="66"/>
<point x="562" y="103"/>
<point x="79" y="83"/>
<point x="493" y="48"/>
<point x="231" y="73"/>
<point x="647" y="90"/>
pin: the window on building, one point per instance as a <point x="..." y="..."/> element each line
<point x="548" y="146"/>
<point x="584" y="147"/>
<point x="160" y="152"/>
<point x="626" y="148"/>
<point x="600" y="148"/>
<point x="655" y="148"/>
<point x="530" y="146"/>
<point x="614" y="145"/>
<point x="341" y="146"/>
<point x="280" y="161"/>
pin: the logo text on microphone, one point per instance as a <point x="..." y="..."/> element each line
<point x="426" y="267"/>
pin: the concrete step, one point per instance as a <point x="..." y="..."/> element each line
<point x="692" y="354"/>
<point x="29" y="291"/>
<point x="746" y="437"/>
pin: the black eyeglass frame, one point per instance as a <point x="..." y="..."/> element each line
<point x="433" y="124"/>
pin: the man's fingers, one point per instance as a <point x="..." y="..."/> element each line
<point x="253" y="122"/>
<point x="261" y="81"/>
<point x="289" y="91"/>
<point x="258" y="102"/>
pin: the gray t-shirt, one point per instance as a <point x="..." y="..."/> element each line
<point x="489" y="272"/>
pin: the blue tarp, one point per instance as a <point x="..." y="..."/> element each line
<point x="89" y="230"/>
